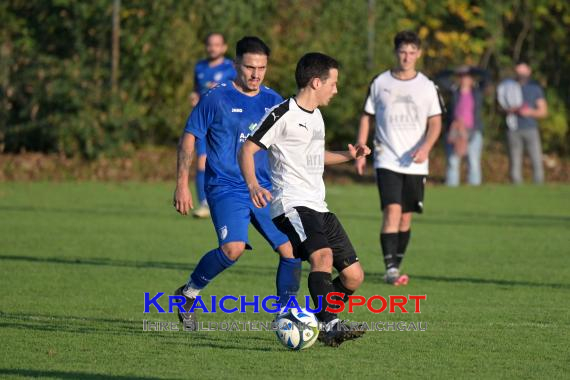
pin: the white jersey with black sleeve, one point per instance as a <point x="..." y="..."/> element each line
<point x="295" y="139"/>
<point x="401" y="109"/>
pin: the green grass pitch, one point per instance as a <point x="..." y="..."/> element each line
<point x="76" y="259"/>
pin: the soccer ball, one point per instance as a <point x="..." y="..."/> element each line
<point x="297" y="330"/>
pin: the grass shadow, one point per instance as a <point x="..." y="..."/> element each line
<point x="122" y="327"/>
<point x="473" y="219"/>
<point x="240" y="269"/>
<point x="68" y="374"/>
<point x="379" y="278"/>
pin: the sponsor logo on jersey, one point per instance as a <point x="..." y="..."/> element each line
<point x="319" y="134"/>
<point x="315" y="160"/>
<point x="243" y="137"/>
<point x="239" y="110"/>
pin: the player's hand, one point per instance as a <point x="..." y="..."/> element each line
<point x="420" y="155"/>
<point x="259" y="196"/>
<point x="358" y="150"/>
<point x="360" y="165"/>
<point x="183" y="200"/>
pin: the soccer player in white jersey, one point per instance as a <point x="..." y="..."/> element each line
<point x="294" y="134"/>
<point x="403" y="105"/>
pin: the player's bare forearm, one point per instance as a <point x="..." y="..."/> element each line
<point x="182" y="198"/>
<point x="366" y="121"/>
<point x="336" y="157"/>
<point x="184" y="158"/>
<point x="433" y="131"/>
<point x="353" y="152"/>
<point x="247" y="163"/>
<point x="194" y="98"/>
<point x="259" y="196"/>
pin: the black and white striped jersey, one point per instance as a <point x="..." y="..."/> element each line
<point x="295" y="139"/>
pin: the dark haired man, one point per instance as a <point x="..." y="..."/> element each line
<point x="522" y="121"/>
<point x="294" y="135"/>
<point x="208" y="73"/>
<point x="225" y="117"/>
<point x="404" y="106"/>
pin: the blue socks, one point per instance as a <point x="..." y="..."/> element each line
<point x="212" y="264"/>
<point x="287" y="280"/>
<point x="215" y="262"/>
<point x="200" y="183"/>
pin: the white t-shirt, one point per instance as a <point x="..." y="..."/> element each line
<point x="295" y="139"/>
<point x="401" y="109"/>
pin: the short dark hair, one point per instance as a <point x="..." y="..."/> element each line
<point x="407" y="37"/>
<point x="252" y="45"/>
<point x="313" y="65"/>
<point x="214" y="34"/>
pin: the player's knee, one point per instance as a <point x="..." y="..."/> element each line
<point x="357" y="278"/>
<point x="286" y="251"/>
<point x="322" y="259"/>
<point x="406" y="218"/>
<point x="233" y="250"/>
<point x="353" y="277"/>
<point x="393" y="210"/>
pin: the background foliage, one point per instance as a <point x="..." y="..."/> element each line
<point x="55" y="61"/>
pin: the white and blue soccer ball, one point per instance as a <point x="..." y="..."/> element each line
<point x="297" y="330"/>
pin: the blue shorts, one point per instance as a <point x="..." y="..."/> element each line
<point x="231" y="216"/>
<point x="200" y="147"/>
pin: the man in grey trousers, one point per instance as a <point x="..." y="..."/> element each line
<point x="523" y="131"/>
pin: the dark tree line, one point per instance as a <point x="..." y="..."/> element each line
<point x="56" y="92"/>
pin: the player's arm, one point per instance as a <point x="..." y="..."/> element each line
<point x="433" y="131"/>
<point x="195" y="95"/>
<point x="366" y="120"/>
<point x="354" y="152"/>
<point x="194" y="98"/>
<point x="182" y="196"/>
<point x="258" y="194"/>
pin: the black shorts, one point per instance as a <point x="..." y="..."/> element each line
<point x="309" y="230"/>
<point x="406" y="190"/>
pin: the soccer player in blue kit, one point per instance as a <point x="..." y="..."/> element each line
<point x="225" y="117"/>
<point x="208" y="73"/>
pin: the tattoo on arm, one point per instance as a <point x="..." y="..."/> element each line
<point x="184" y="161"/>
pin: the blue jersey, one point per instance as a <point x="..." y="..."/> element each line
<point x="206" y="77"/>
<point x="226" y="117"/>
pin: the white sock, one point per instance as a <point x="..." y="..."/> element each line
<point x="190" y="291"/>
<point x="393" y="272"/>
<point x="330" y="325"/>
